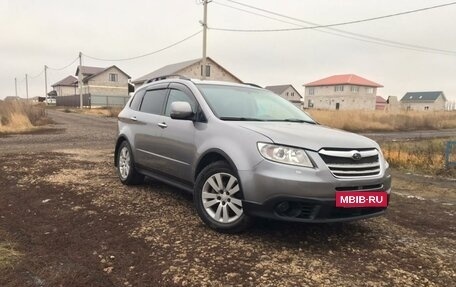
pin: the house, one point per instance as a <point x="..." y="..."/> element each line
<point x="110" y="81"/>
<point x="380" y="103"/>
<point x="66" y="87"/>
<point x="287" y="92"/>
<point x="341" y="92"/>
<point x="424" y="101"/>
<point x="191" y="69"/>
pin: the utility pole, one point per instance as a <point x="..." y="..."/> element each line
<point x="45" y="84"/>
<point x="81" y="105"/>
<point x="26" y="85"/>
<point x="203" y="77"/>
<point x="15" y="85"/>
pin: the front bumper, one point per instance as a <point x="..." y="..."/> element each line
<point x="309" y="192"/>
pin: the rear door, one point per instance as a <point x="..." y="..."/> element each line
<point x="148" y="134"/>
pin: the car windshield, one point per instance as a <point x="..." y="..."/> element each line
<point x="250" y="104"/>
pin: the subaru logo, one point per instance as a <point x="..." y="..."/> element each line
<point x="356" y="156"/>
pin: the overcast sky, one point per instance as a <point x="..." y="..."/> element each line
<point x="52" y="32"/>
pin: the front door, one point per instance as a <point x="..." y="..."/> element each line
<point x="177" y="143"/>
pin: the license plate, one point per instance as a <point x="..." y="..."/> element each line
<point x="349" y="199"/>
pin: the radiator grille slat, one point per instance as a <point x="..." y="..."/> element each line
<point x="343" y="164"/>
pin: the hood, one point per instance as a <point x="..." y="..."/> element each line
<point x="309" y="136"/>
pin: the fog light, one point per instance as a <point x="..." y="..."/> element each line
<point x="283" y="207"/>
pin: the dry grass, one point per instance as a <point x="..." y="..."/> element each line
<point x="425" y="156"/>
<point x="111" y="112"/>
<point x="370" y="121"/>
<point x="8" y="253"/>
<point x="20" y="116"/>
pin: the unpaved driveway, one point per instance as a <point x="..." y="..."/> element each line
<point x="76" y="225"/>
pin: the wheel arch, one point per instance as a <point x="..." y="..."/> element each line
<point x="210" y="156"/>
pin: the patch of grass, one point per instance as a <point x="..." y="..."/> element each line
<point x="424" y="156"/>
<point x="111" y="112"/>
<point x="372" y="121"/>
<point x="8" y="253"/>
<point x="19" y="116"/>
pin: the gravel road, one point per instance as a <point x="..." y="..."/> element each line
<point x="76" y="225"/>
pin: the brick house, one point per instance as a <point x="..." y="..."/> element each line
<point x="424" y="101"/>
<point x="66" y="87"/>
<point x="191" y="69"/>
<point x="287" y="92"/>
<point x="341" y="92"/>
<point x="110" y="81"/>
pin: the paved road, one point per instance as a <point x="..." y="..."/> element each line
<point x="85" y="131"/>
<point x="70" y="131"/>
<point x="411" y="135"/>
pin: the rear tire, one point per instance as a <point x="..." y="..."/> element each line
<point x="126" y="166"/>
<point x="218" y="199"/>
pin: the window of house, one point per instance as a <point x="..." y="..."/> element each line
<point x="370" y="90"/>
<point x="113" y="77"/>
<point x="426" y="108"/>
<point x="354" y="89"/>
<point x="152" y="102"/>
<point x="311" y="91"/>
<point x="208" y="70"/>
<point x="292" y="94"/>
<point x="339" y="88"/>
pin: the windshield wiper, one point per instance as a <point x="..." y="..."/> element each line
<point x="294" y="121"/>
<point x="240" y="119"/>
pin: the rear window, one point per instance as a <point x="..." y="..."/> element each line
<point x="152" y="102"/>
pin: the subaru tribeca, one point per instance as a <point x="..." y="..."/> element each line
<point x="245" y="152"/>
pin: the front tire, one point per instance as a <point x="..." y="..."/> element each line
<point x="218" y="199"/>
<point x="126" y="166"/>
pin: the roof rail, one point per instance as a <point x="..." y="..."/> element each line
<point x="167" y="77"/>
<point x="253" y="85"/>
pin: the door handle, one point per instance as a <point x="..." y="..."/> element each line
<point x="162" y="125"/>
<point x="133" y="118"/>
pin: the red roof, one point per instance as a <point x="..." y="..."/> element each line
<point x="342" y="80"/>
<point x="380" y="100"/>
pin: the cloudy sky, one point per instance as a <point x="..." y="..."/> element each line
<point x="52" y="32"/>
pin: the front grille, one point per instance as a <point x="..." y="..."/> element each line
<point x="346" y="164"/>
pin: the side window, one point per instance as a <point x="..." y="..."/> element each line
<point x="137" y="98"/>
<point x="153" y="101"/>
<point x="179" y="96"/>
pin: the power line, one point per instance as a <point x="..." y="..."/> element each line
<point x="341" y="33"/>
<point x="37" y="75"/>
<point x="147" y="54"/>
<point x="64" y="67"/>
<point x="330" y="25"/>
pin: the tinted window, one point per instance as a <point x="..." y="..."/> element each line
<point x="153" y="102"/>
<point x="137" y="98"/>
<point x="178" y="96"/>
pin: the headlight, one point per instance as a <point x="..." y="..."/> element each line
<point x="284" y="154"/>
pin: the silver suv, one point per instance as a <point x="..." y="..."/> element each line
<point x="245" y="152"/>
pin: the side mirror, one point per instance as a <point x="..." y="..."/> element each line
<point x="181" y="111"/>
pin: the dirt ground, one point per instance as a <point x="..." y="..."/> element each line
<point x="75" y="224"/>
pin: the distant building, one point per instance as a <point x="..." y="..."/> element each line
<point x="393" y="104"/>
<point x="424" y="101"/>
<point x="287" y="92"/>
<point x="191" y="69"/>
<point x="66" y="87"/>
<point x="380" y="103"/>
<point x="110" y="81"/>
<point x="341" y="92"/>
